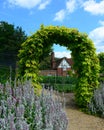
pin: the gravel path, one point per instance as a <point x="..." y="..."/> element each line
<point x="79" y="120"/>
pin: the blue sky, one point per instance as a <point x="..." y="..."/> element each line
<point x="85" y="15"/>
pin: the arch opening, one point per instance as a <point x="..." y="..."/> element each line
<point x="83" y="52"/>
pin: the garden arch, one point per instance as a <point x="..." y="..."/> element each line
<point x="83" y="53"/>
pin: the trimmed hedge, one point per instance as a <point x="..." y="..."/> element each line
<point x="61" y="84"/>
<point x="58" y="79"/>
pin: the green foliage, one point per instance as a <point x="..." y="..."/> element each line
<point x="101" y="59"/>
<point x="61" y="84"/>
<point x="66" y="88"/>
<point x="6" y="73"/>
<point x="11" y="38"/>
<point x="46" y="63"/>
<point x="58" y="80"/>
<point x="86" y="63"/>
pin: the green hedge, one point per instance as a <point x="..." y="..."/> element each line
<point x="64" y="87"/>
<point x="61" y="84"/>
<point x="58" y="79"/>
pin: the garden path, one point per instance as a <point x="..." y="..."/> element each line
<point x="79" y="120"/>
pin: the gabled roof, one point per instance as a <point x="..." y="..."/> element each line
<point x="70" y="61"/>
<point x="57" y="62"/>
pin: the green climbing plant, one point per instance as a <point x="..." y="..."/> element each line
<point x="86" y="63"/>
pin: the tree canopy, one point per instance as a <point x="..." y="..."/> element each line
<point x="11" y="38"/>
<point x="101" y="59"/>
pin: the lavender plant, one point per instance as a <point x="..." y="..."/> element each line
<point x="96" y="106"/>
<point x="22" y="109"/>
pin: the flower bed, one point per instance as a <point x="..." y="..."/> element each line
<point x="22" y="109"/>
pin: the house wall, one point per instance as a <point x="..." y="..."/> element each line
<point x="58" y="72"/>
<point x="48" y="72"/>
<point x="57" y="69"/>
<point x="61" y="72"/>
<point x="64" y="64"/>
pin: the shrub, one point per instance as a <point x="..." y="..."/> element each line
<point x="5" y="73"/>
<point x="59" y="83"/>
<point x="58" y="79"/>
<point x="96" y="106"/>
<point x="64" y="87"/>
<point x="21" y="109"/>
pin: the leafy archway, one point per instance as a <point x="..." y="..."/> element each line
<point x="86" y="63"/>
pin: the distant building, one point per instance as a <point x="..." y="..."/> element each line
<point x="59" y="67"/>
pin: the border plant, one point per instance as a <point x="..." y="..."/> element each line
<point x="96" y="105"/>
<point x="21" y="109"/>
<point x="86" y="63"/>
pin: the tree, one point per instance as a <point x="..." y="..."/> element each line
<point x="101" y="59"/>
<point x="11" y="38"/>
<point x="46" y="63"/>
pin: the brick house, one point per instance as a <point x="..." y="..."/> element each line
<point x="59" y="67"/>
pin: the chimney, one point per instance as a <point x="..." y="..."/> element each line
<point x="52" y="60"/>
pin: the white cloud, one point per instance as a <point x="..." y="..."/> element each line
<point x="59" y="16"/>
<point x="44" y="4"/>
<point x="71" y="6"/>
<point x="29" y="3"/>
<point x="93" y="7"/>
<point x="24" y="3"/>
<point x="59" y="54"/>
<point x="100" y="49"/>
<point x="101" y="22"/>
<point x="97" y="35"/>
